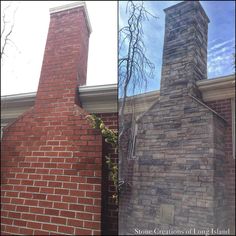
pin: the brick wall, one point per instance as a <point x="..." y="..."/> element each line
<point x="42" y="180"/>
<point x="224" y="108"/>
<point x="51" y="156"/>
<point x="51" y="176"/>
<point x="109" y="207"/>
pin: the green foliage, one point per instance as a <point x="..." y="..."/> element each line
<point x="111" y="137"/>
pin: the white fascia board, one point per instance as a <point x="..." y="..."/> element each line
<point x="98" y="92"/>
<point x="99" y="98"/>
<point x="218" y="88"/>
<point x="18" y="96"/>
<point x="226" y="81"/>
<point x="97" y="88"/>
<point x="17" y="100"/>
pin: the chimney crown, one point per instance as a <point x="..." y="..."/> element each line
<point x="181" y="5"/>
<point x="73" y="5"/>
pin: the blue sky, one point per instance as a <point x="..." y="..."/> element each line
<point x="221" y="36"/>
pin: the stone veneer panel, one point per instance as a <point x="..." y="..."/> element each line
<point x="185" y="49"/>
<point x="178" y="163"/>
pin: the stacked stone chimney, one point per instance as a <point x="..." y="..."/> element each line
<point x="185" y="49"/>
<point x="178" y="181"/>
<point x="51" y="156"/>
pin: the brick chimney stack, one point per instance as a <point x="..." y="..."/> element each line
<point x="185" y="49"/>
<point x="52" y="157"/>
<point x="65" y="58"/>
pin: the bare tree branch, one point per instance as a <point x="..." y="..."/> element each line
<point x="134" y="67"/>
<point x="7" y="30"/>
<point x="6" y="39"/>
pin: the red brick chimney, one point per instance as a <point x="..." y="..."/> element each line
<point x="51" y="157"/>
<point x="66" y="53"/>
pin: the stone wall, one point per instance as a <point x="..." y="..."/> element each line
<point x="176" y="166"/>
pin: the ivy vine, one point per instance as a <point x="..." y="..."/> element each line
<point x="111" y="137"/>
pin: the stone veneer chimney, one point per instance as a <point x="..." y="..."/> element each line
<point x="185" y="49"/>
<point x="178" y="181"/>
<point x="51" y="156"/>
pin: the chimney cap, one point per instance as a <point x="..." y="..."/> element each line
<point x="71" y="6"/>
<point x="197" y="2"/>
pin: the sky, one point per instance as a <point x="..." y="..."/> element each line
<point x="21" y="67"/>
<point x="221" y="36"/>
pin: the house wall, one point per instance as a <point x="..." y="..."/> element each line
<point x="51" y="156"/>
<point x="9" y="212"/>
<point x="224" y="108"/>
<point x="51" y="176"/>
<point x="93" y="101"/>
